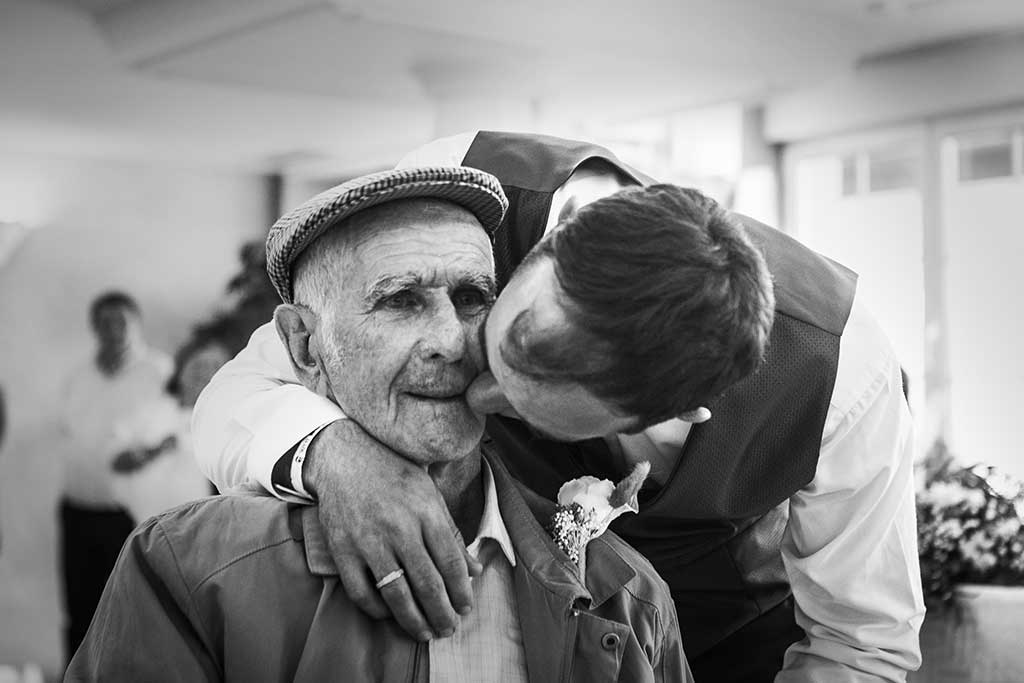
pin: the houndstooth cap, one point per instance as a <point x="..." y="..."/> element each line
<point x="477" y="191"/>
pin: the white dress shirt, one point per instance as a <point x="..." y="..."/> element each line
<point x="488" y="643"/>
<point x="850" y="547"/>
<point x="172" y="477"/>
<point x="95" y="405"/>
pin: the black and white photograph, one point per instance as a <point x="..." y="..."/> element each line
<point x="466" y="341"/>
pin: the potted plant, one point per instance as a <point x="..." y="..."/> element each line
<point x="971" y="548"/>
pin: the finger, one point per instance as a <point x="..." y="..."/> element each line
<point x="403" y="607"/>
<point x="358" y="583"/>
<point x="455" y="565"/>
<point x="472" y="564"/>
<point x="429" y="590"/>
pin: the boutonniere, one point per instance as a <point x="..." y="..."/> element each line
<point x="586" y="506"/>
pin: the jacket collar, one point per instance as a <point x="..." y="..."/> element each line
<point x="524" y="514"/>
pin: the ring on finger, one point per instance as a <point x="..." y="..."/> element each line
<point x="390" y="578"/>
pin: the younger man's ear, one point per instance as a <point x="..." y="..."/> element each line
<point x="696" y="416"/>
<point x="295" y="326"/>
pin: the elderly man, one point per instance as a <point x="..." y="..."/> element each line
<point x="784" y="524"/>
<point x="387" y="280"/>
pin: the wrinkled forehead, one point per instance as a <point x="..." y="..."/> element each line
<point x="419" y="242"/>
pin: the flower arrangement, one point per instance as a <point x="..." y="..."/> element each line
<point x="970" y="528"/>
<point x="587" y="505"/>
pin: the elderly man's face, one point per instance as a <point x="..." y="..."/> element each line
<point x="401" y="335"/>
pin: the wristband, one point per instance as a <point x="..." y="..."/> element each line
<point x="295" y="469"/>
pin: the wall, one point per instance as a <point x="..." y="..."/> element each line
<point x="983" y="242"/>
<point x="170" y="236"/>
<point x="936" y="80"/>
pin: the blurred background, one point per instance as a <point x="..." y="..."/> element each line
<point x="144" y="143"/>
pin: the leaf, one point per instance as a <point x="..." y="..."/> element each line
<point x="626" y="490"/>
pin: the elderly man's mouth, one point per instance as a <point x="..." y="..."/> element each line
<point x="438" y="396"/>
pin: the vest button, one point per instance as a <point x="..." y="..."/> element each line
<point x="610" y="641"/>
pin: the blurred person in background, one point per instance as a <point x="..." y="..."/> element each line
<point x="160" y="471"/>
<point x="780" y="512"/>
<point x="123" y="374"/>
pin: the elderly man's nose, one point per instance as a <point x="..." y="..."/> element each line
<point x="446" y="336"/>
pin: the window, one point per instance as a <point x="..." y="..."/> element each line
<point x="880" y="169"/>
<point x="984" y="154"/>
<point x="892" y="170"/>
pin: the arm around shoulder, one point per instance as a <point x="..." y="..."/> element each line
<point x="252" y="412"/>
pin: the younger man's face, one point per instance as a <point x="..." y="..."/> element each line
<point x="562" y="410"/>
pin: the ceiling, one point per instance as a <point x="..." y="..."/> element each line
<point x="351" y="84"/>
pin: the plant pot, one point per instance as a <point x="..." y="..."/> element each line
<point x="976" y="639"/>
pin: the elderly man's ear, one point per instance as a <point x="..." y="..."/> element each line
<point x="296" y="325"/>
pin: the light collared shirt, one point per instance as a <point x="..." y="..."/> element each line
<point x="488" y="643"/>
<point x="850" y="545"/>
<point x="96" y="421"/>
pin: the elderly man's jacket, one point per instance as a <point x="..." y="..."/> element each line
<point x="243" y="589"/>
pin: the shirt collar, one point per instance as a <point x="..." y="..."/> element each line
<point x="492" y="525"/>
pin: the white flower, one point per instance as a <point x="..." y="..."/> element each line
<point x="975" y="500"/>
<point x="950" y="528"/>
<point x="977" y="551"/>
<point x="586" y="506"/>
<point x="1007" y="528"/>
<point x="985" y="561"/>
<point x="944" y="494"/>
<point x="590" y="493"/>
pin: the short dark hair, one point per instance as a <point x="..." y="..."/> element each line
<point x="668" y="301"/>
<point x="112" y="299"/>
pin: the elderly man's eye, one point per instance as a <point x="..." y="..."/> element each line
<point x="470" y="298"/>
<point x="400" y="301"/>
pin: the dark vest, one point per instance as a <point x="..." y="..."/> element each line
<point x="713" y="531"/>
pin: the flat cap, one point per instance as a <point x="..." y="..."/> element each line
<point x="474" y="190"/>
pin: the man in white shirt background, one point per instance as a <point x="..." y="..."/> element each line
<point x="801" y="482"/>
<point x="123" y="374"/>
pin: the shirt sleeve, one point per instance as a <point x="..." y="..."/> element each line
<point x="145" y="628"/>
<point x="252" y="412"/>
<point x="449" y="151"/>
<point x="850" y="548"/>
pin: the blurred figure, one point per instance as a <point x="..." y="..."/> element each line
<point x="123" y="374"/>
<point x="160" y="472"/>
